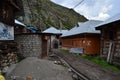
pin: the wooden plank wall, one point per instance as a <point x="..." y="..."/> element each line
<point x="90" y="43"/>
<point x="105" y="42"/>
<point x="7" y="14"/>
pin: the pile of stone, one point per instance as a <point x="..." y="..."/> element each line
<point x="8" y="55"/>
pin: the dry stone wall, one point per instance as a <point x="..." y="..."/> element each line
<point x="29" y="45"/>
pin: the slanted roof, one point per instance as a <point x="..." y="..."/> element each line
<point x="110" y="20"/>
<point x="33" y="29"/>
<point x="86" y="27"/>
<point x="63" y="31"/>
<point x="70" y="32"/>
<point x="51" y="30"/>
<point x="19" y="23"/>
<point x="54" y="31"/>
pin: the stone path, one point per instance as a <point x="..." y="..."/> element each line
<point x="39" y="70"/>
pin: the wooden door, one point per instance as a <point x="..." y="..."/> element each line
<point x="44" y="48"/>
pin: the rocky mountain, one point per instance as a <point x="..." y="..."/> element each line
<point x="44" y="13"/>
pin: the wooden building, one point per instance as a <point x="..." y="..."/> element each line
<point x="9" y="9"/>
<point x="110" y="39"/>
<point x="84" y="36"/>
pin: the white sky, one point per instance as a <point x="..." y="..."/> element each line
<point x="93" y="9"/>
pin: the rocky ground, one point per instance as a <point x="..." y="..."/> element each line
<point x="38" y="69"/>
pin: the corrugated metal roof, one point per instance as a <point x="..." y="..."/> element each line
<point x="63" y="31"/>
<point x="86" y="27"/>
<point x="70" y="32"/>
<point x="19" y="23"/>
<point x="110" y="20"/>
<point x="51" y="30"/>
<point x="54" y="31"/>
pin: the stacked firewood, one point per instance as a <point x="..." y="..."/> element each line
<point x="8" y="55"/>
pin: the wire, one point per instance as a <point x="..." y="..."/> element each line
<point x="78" y="4"/>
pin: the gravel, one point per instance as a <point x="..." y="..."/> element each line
<point x="39" y="69"/>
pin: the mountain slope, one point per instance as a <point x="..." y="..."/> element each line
<point x="44" y="13"/>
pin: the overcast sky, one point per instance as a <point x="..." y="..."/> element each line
<point x="93" y="9"/>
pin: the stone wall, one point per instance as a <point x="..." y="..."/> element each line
<point x="30" y="45"/>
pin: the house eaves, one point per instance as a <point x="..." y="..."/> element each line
<point x="113" y="19"/>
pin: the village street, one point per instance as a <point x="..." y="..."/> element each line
<point x="47" y="40"/>
<point x="55" y="68"/>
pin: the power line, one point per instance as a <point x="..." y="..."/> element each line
<point x="78" y="4"/>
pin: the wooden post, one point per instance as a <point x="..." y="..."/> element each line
<point x="109" y="57"/>
<point x="102" y="44"/>
<point x="50" y="43"/>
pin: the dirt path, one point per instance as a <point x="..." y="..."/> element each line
<point x="90" y="70"/>
<point x="39" y="70"/>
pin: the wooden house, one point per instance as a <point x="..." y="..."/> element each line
<point x="9" y="9"/>
<point x="110" y="39"/>
<point x="84" y="36"/>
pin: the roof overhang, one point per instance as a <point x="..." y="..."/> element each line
<point x="19" y="23"/>
<point x="99" y="27"/>
<point x="80" y="34"/>
<point x="45" y="34"/>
